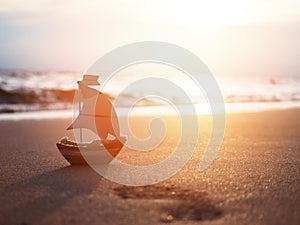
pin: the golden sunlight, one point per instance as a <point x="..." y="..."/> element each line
<point x="208" y="13"/>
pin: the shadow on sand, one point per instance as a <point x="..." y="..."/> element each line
<point x="40" y="196"/>
<point x="43" y="194"/>
<point x="175" y="203"/>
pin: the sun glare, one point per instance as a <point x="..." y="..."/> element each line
<point x="208" y="13"/>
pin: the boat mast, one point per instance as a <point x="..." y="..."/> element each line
<point x="79" y="104"/>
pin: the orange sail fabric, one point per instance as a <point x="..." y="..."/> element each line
<point x="97" y="113"/>
<point x="106" y="118"/>
<point x="90" y="80"/>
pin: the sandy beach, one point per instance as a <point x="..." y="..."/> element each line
<point x="255" y="178"/>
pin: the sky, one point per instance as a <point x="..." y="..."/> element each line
<point x="258" y="37"/>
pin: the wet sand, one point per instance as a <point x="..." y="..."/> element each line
<point x="255" y="178"/>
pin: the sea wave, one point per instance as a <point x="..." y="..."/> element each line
<point x="262" y="98"/>
<point x="22" y="90"/>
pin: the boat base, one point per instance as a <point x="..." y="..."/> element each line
<point x="97" y="152"/>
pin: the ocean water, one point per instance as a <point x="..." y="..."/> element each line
<point x="31" y="91"/>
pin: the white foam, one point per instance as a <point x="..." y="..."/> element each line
<point x="201" y="109"/>
<point x="38" y="115"/>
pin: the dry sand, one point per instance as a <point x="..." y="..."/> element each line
<point x="255" y="178"/>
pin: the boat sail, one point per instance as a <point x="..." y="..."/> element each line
<point x="98" y="115"/>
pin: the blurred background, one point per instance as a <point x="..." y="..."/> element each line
<point x="252" y="47"/>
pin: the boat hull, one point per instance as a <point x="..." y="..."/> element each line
<point x="79" y="154"/>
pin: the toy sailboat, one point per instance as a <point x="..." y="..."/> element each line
<point x="98" y="115"/>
